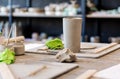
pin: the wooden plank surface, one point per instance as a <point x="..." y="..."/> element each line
<point x="85" y="64"/>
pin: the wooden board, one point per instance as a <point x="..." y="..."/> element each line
<point x="31" y="46"/>
<point x="6" y="72"/>
<point x="89" y="54"/>
<point x="109" y="73"/>
<point x="51" y="71"/>
<point x="34" y="48"/>
<point x="84" y="52"/>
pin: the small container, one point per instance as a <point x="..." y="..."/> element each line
<point x="35" y="10"/>
<point x="19" y="48"/>
<point x="43" y="36"/>
<point x="35" y="36"/>
<point x="95" y="39"/>
<point x="4" y="10"/>
<point x="114" y="39"/>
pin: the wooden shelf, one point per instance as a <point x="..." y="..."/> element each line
<point x="4" y="14"/>
<point x="103" y="16"/>
<point x="36" y="15"/>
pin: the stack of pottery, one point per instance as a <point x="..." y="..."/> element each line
<point x="35" y="10"/>
<point x="50" y="9"/>
<point x="4" y="10"/>
<point x="20" y="10"/>
<point x="95" y="39"/>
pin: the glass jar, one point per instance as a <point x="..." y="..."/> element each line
<point x="19" y="48"/>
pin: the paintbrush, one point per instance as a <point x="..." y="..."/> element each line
<point x="9" y="35"/>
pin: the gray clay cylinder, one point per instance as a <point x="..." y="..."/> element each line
<point x="72" y="33"/>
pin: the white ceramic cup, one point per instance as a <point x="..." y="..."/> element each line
<point x="72" y="33"/>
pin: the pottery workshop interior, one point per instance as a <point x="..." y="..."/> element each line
<point x="59" y="39"/>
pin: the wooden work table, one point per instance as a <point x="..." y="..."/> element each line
<point x="84" y="63"/>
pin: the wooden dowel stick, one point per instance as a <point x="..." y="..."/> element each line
<point x="37" y="70"/>
<point x="87" y="74"/>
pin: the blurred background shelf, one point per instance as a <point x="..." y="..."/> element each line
<point x="4" y="14"/>
<point x="103" y="16"/>
<point x="93" y="25"/>
<point x="36" y="15"/>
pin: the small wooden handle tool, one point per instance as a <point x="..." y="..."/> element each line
<point x="5" y="72"/>
<point x="87" y="74"/>
<point x="37" y="70"/>
<point x="103" y="48"/>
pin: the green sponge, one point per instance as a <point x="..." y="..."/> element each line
<point x="7" y="56"/>
<point x="55" y="44"/>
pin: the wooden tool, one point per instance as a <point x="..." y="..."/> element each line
<point x="37" y="70"/>
<point x="103" y="48"/>
<point x="87" y="74"/>
<point x="5" y="72"/>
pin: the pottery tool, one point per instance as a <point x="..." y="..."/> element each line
<point x="9" y="36"/>
<point x="104" y="48"/>
<point x="37" y="70"/>
<point x="87" y="74"/>
<point x="5" y="72"/>
<point x="14" y="30"/>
